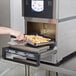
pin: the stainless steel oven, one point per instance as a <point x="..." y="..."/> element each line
<point x="53" y="19"/>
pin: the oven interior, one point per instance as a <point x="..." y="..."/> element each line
<point x="44" y="29"/>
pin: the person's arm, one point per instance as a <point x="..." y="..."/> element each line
<point x="6" y="30"/>
<point x="17" y="34"/>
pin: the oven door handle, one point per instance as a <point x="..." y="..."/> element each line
<point x="24" y="60"/>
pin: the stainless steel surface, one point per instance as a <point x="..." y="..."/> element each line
<point x="31" y="49"/>
<point x="65" y="33"/>
<point x="66" y="38"/>
<point x="49" y="56"/>
<point x="58" y="69"/>
<point x="8" y="68"/>
<point x="43" y="20"/>
<point x="27" y="70"/>
<point x="68" y="68"/>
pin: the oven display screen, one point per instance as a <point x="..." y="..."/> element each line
<point x="37" y="5"/>
<point x="38" y="8"/>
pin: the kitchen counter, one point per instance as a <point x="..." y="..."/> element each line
<point x="68" y="67"/>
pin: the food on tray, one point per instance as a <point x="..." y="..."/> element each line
<point x="37" y="39"/>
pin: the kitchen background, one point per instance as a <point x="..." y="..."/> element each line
<point x="10" y="16"/>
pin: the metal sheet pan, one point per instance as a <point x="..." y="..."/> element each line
<point x="45" y="43"/>
<point x="40" y="44"/>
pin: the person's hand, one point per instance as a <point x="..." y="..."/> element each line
<point x="21" y="37"/>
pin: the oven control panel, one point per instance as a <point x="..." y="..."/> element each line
<point x="37" y="8"/>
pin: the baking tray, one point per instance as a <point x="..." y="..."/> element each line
<point x="40" y="44"/>
<point x="48" y="42"/>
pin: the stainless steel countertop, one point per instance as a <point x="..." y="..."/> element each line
<point x="67" y="68"/>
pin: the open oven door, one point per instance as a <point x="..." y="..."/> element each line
<point x="21" y="56"/>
